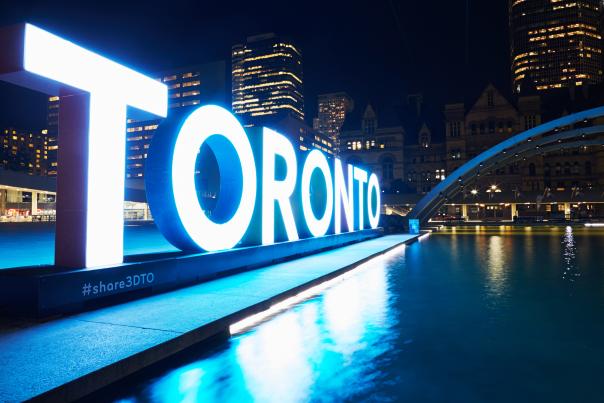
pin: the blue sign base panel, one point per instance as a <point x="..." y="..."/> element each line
<point x="68" y="357"/>
<point x="48" y="290"/>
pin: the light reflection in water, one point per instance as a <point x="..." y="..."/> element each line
<point x="276" y="351"/>
<point x="529" y="252"/>
<point x="571" y="271"/>
<point x="422" y="327"/>
<point x="347" y="318"/>
<point x="496" y="264"/>
<point x="344" y="330"/>
<point x="454" y="244"/>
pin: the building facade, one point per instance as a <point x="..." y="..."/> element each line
<point x="304" y="137"/>
<point x="52" y="134"/>
<point x="375" y="148"/>
<point x="425" y="164"/>
<point x="267" y="80"/>
<point x="425" y="161"/>
<point x="187" y="88"/>
<point x="24" y="151"/>
<point x="555" y="43"/>
<point x="332" y="109"/>
<point x="409" y="158"/>
<point x="492" y="119"/>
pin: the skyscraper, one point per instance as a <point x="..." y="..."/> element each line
<point x="555" y="43"/>
<point x="24" y="151"/>
<point x="267" y="80"/>
<point x="52" y="122"/>
<point x="187" y="87"/>
<point x="332" y="110"/>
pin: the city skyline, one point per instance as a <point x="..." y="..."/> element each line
<point x="390" y="56"/>
<point x="268" y="89"/>
<point x="302" y="201"/>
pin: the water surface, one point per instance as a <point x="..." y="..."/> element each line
<point x="31" y="244"/>
<point x="468" y="315"/>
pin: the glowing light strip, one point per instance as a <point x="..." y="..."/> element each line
<point x="252" y="320"/>
<point x="594" y="224"/>
<point x="421" y="237"/>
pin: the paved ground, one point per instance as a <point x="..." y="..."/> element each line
<point x="86" y="351"/>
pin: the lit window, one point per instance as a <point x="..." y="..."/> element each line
<point x="190" y="93"/>
<point x="191" y="83"/>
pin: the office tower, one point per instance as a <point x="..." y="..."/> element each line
<point x="332" y="110"/>
<point x="52" y="133"/>
<point x="267" y="80"/>
<point x="24" y="151"/>
<point x="187" y="88"/>
<point x="555" y="43"/>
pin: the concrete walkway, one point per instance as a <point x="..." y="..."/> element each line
<point x="67" y="358"/>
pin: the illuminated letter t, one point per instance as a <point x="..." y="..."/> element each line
<point x="95" y="93"/>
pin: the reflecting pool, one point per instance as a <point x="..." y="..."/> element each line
<point x="17" y="240"/>
<point x="466" y="315"/>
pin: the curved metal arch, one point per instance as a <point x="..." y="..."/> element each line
<point x="533" y="152"/>
<point x="520" y="151"/>
<point x="523" y="148"/>
<point x="440" y="193"/>
<point x="543" y="146"/>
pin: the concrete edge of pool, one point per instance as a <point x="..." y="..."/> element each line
<point x="45" y="290"/>
<point x="70" y="357"/>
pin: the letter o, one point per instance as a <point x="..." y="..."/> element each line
<point x="317" y="226"/>
<point x="374" y="214"/>
<point x="201" y="124"/>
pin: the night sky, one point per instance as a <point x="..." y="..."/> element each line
<point x="378" y="51"/>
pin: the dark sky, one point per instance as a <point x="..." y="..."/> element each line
<point x="377" y="50"/>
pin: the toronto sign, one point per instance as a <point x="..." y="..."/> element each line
<point x="268" y="191"/>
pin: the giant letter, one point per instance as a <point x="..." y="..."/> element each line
<point x="342" y="195"/>
<point x="274" y="144"/>
<point x="373" y="213"/>
<point x="95" y="92"/>
<point x="360" y="176"/>
<point x="170" y="179"/>
<point x="316" y="161"/>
